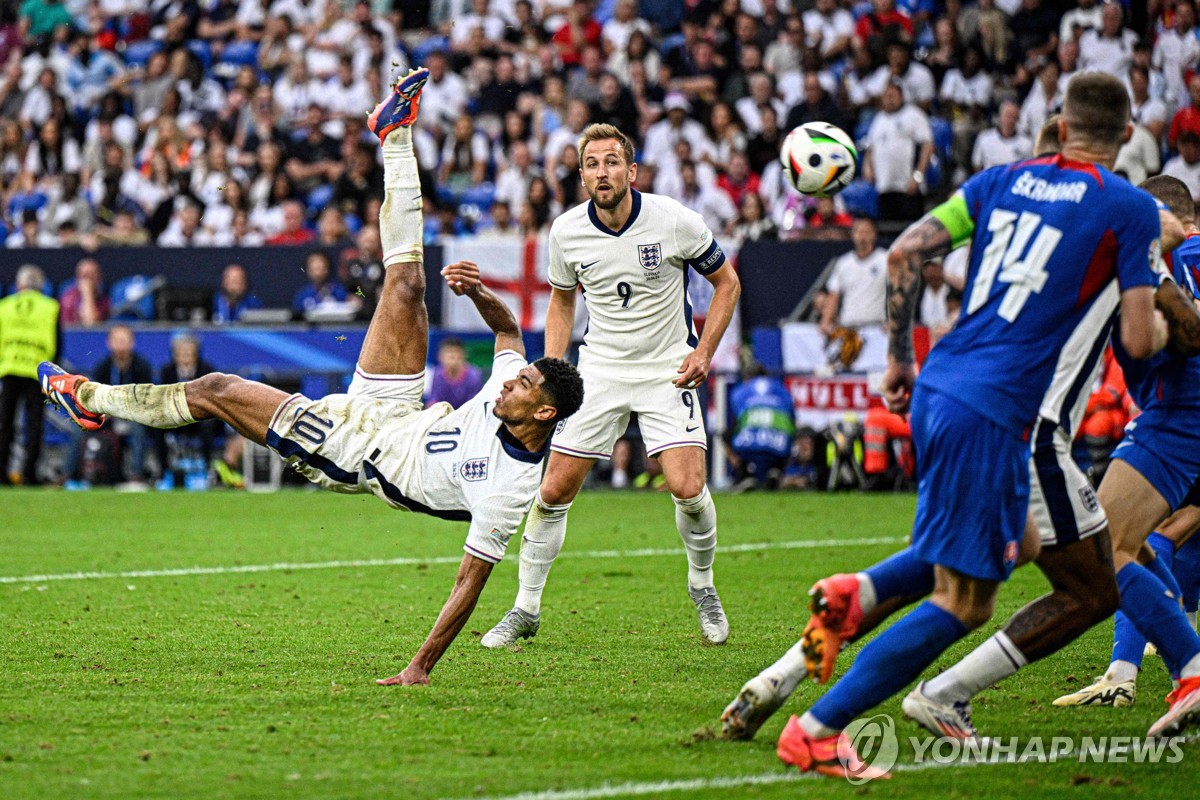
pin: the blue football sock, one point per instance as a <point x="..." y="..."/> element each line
<point x="1164" y="564"/>
<point x="1187" y="573"/>
<point x="1157" y="615"/>
<point x="889" y="663"/>
<point x="1128" y="643"/>
<point x="902" y="575"/>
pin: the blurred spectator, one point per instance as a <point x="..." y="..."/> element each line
<point x="69" y="207"/>
<point x="1177" y="52"/>
<point x="827" y="215"/>
<point x="121" y="366"/>
<point x="150" y="89"/>
<point x="30" y="233"/>
<point x="186" y="364"/>
<point x="583" y="82"/>
<point x="93" y="73"/>
<point x="881" y="26"/>
<point x="1187" y="118"/>
<point x="1001" y="144"/>
<point x="817" y="106"/>
<point x="465" y="157"/>
<point x="1085" y="17"/>
<point x="331" y="230"/>
<point x="29" y="335"/>
<point x="123" y="231"/>
<point x="1044" y="99"/>
<point x="512" y="183"/>
<point x="1109" y="49"/>
<point x="760" y="430"/>
<point x="85" y="300"/>
<point x="933" y="310"/>
<point x="738" y="181"/>
<point x="445" y="94"/>
<point x="1140" y="157"/>
<point x="39" y="18"/>
<point x="294" y="231"/>
<point x="1035" y="32"/>
<point x="829" y="29"/>
<point x="763" y="147"/>
<point x="322" y="291"/>
<point x="858" y="283"/>
<point x="621" y="26"/>
<point x="360" y="180"/>
<point x="725" y="132"/>
<point x="615" y="105"/>
<point x="709" y="202"/>
<point x="184" y="229"/>
<point x="52" y="153"/>
<point x="454" y="380"/>
<point x="1186" y="165"/>
<point x="502" y="226"/>
<point x="312" y="156"/>
<point x="899" y="146"/>
<point x="801" y="471"/>
<point x="578" y="31"/>
<point x="752" y="223"/>
<point x="234" y="296"/>
<point x="913" y="77"/>
<point x="1146" y="110"/>
<point x="662" y="136"/>
<point x="887" y="448"/>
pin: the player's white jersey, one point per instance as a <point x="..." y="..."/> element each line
<point x="635" y="279"/>
<point x="457" y="464"/>
<point x="1079" y="363"/>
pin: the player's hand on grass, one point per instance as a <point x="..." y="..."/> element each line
<point x="694" y="369"/>
<point x="897" y="386"/>
<point x="462" y="277"/>
<point x="411" y="676"/>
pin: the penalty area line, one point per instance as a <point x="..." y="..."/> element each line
<point x="179" y="572"/>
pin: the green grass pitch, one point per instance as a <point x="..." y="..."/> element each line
<point x="260" y="684"/>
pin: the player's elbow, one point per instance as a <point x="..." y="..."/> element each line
<point x="1138" y="341"/>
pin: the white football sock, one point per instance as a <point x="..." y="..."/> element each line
<point x="991" y="662"/>
<point x="696" y="520"/>
<point x="866" y="592"/>
<point x="1121" y="672"/>
<point x="155" y="406"/>
<point x="401" y="225"/>
<point x="815" y="728"/>
<point x="545" y="530"/>
<point x="788" y="671"/>
<point x="1192" y="668"/>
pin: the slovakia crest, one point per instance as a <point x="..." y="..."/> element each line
<point x="650" y="256"/>
<point x="474" y="470"/>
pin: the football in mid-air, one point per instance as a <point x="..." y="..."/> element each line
<point x="818" y="158"/>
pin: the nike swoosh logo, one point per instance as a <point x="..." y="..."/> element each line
<point x="585" y="266"/>
<point x="693" y="428"/>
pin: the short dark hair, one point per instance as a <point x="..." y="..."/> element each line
<point x="1175" y="195"/>
<point x="561" y="384"/>
<point x="1096" y="108"/>
<point x="452" y="341"/>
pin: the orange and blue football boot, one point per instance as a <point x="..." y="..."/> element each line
<point x="400" y="107"/>
<point x="59" y="387"/>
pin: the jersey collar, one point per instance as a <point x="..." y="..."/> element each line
<point x="516" y="450"/>
<point x="633" y="215"/>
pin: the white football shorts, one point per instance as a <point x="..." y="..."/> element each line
<point x="1061" y="497"/>
<point x="667" y="416"/>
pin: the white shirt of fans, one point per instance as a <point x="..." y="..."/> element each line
<point x="1087" y="19"/>
<point x="992" y="149"/>
<point x="917" y="82"/>
<point x="862" y="284"/>
<point x="1188" y="173"/>
<point x="827" y="29"/>
<point x="1140" y="157"/>
<point x="1098" y="53"/>
<point x="634" y="280"/>
<point x="1173" y="54"/>
<point x="975" y="91"/>
<point x="894" y="140"/>
<point x="463" y="464"/>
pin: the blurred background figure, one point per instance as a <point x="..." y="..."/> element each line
<point x="455" y="380"/>
<point x="234" y="296"/>
<point x="29" y="335"/>
<point x="759" y="431"/>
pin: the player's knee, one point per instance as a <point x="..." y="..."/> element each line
<point x="212" y="386"/>
<point x="406" y="283"/>
<point x="686" y="487"/>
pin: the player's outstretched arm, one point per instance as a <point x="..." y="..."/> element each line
<point x="925" y="239"/>
<point x="472" y="575"/>
<point x="463" y="279"/>
<point x="727" y="288"/>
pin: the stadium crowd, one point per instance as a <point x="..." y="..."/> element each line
<point x="242" y="122"/>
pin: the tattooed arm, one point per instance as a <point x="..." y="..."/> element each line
<point x="928" y="238"/>
<point x="1183" y="319"/>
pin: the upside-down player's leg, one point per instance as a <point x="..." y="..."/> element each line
<point x="397" y="341"/>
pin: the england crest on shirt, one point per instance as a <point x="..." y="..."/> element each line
<point x="650" y="256"/>
<point x="475" y="470"/>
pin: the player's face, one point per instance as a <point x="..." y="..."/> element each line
<point x="606" y="174"/>
<point x="521" y="398"/>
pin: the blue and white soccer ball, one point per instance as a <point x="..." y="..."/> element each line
<point x="819" y="159"/>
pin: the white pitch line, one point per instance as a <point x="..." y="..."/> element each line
<point x="402" y="562"/>
<point x="644" y="788"/>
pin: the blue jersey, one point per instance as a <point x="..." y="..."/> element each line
<point x="763" y="417"/>
<point x="1047" y="237"/>
<point x="1165" y="379"/>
